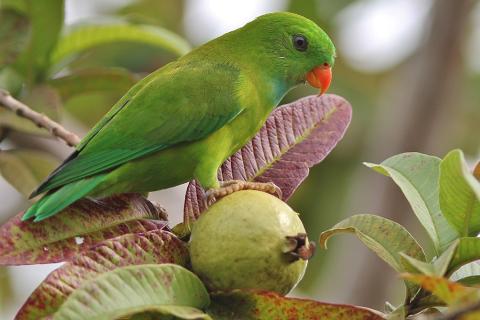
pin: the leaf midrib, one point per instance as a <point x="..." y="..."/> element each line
<point x="430" y="216"/>
<point x="297" y="140"/>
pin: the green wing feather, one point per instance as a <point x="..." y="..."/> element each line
<point x="159" y="112"/>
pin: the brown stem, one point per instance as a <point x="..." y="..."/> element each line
<point x="41" y="120"/>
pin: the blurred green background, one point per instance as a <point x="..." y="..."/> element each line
<point x="410" y="68"/>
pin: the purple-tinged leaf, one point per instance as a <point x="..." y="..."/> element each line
<point x="253" y="305"/>
<point x="76" y="228"/>
<point x="149" y="291"/>
<point x="153" y="247"/>
<point x="295" y="137"/>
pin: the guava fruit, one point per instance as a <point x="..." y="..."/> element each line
<point x="249" y="240"/>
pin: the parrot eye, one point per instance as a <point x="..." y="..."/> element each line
<point x="300" y="42"/>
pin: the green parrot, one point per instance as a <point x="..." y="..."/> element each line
<point x="185" y="119"/>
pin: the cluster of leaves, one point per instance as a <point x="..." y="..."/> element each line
<point x="122" y="260"/>
<point x="38" y="57"/>
<point x="445" y="196"/>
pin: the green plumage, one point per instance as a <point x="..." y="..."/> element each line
<point x="183" y="120"/>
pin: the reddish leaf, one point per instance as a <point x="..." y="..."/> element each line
<point x="78" y="227"/>
<point x="295" y="137"/>
<point x="448" y="291"/>
<point x="151" y="247"/>
<point x="253" y="305"/>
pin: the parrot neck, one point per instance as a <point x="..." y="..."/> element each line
<point x="276" y="73"/>
<point x="279" y="89"/>
<point x="280" y="83"/>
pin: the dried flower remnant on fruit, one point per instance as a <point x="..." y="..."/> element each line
<point x="299" y="247"/>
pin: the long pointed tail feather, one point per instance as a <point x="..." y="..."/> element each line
<point x="54" y="202"/>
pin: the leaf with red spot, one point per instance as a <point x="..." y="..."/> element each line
<point x="153" y="247"/>
<point x="450" y="292"/>
<point x="251" y="305"/>
<point x="295" y="137"/>
<point x="78" y="227"/>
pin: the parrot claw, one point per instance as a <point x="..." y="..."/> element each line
<point x="229" y="187"/>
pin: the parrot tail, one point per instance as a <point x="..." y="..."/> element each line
<point x="55" y="201"/>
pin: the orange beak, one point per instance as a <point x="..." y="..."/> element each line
<point x="320" y="77"/>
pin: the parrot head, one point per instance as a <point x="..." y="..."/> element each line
<point x="296" y="48"/>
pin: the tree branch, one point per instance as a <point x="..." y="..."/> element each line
<point x="41" y="120"/>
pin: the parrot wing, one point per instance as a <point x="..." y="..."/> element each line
<point x="164" y="109"/>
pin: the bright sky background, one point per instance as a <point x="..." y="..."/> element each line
<point x="208" y="19"/>
<point x="374" y="35"/>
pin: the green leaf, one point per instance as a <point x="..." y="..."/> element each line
<point x="417" y="176"/>
<point x="252" y="305"/>
<point x="13" y="35"/>
<point x="129" y="290"/>
<point x="442" y="263"/>
<point x="170" y="313"/>
<point x="468" y="250"/>
<point x="384" y="237"/>
<point x="470" y="281"/>
<point x="459" y="194"/>
<point x="7" y="292"/>
<point x="46" y="18"/>
<point x="468" y="274"/>
<point x="78" y="227"/>
<point x="25" y="169"/>
<point x="417" y="266"/>
<point x="90" y="107"/>
<point x="10" y="80"/>
<point x="16" y="5"/>
<point x="85" y="37"/>
<point x="437" y="267"/>
<point x="93" y="80"/>
<point x="152" y="247"/>
<point x="459" y="253"/>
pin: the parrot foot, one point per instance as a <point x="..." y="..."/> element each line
<point x="229" y="187"/>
